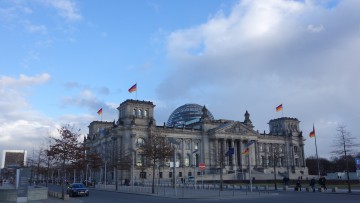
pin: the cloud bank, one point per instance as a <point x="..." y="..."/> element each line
<point x="263" y="53"/>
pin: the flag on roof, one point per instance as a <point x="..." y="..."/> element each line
<point x="279" y="108"/>
<point x="133" y="88"/>
<point x="312" y="133"/>
<point x="100" y="111"/>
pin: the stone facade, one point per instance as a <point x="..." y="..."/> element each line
<point x="207" y="141"/>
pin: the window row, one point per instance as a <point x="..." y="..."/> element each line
<point x="140" y="113"/>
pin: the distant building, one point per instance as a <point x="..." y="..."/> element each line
<point x="13" y="158"/>
<point x="202" y="139"/>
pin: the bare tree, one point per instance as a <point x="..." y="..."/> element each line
<point x="66" y="149"/>
<point x="343" y="146"/>
<point x="156" y="148"/>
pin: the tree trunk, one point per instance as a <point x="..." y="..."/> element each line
<point x="62" y="181"/>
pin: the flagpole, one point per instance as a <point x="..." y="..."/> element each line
<point x="136" y="90"/>
<point x="317" y="156"/>
<point x="250" y="179"/>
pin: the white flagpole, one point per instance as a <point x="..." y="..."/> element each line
<point x="136" y="90"/>
<point x="317" y="156"/>
<point x="250" y="171"/>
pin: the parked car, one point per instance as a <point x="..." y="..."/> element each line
<point x="77" y="189"/>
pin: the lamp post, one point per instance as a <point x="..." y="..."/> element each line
<point x="173" y="141"/>
<point x="115" y="162"/>
<point x="132" y="166"/>
<point x="274" y="163"/>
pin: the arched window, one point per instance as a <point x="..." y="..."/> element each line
<point x="187" y="145"/>
<point x="139" y="113"/>
<point x="187" y="160"/>
<point x="145" y="113"/>
<point x="139" y="142"/>
<point x="296" y="149"/>
<point x="134" y="112"/>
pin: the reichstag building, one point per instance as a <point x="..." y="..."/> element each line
<point x="201" y="140"/>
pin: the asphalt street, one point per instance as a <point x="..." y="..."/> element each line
<point x="198" y="196"/>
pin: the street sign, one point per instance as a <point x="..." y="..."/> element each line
<point x="202" y="166"/>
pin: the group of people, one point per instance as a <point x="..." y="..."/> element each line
<point x="312" y="183"/>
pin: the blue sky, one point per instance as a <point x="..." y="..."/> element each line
<point x="63" y="60"/>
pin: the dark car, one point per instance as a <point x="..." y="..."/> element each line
<point x="77" y="189"/>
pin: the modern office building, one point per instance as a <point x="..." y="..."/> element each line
<point x="220" y="145"/>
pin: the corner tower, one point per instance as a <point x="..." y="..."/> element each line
<point x="285" y="125"/>
<point x="136" y="112"/>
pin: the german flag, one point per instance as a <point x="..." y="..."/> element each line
<point x="246" y="151"/>
<point x="279" y="108"/>
<point x="312" y="133"/>
<point x="133" y="88"/>
<point x="100" y="111"/>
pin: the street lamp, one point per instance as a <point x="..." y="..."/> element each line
<point x="274" y="163"/>
<point x="115" y="162"/>
<point x="132" y="166"/>
<point x="173" y="141"/>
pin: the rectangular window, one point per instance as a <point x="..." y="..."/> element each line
<point x="143" y="175"/>
<point x="189" y="174"/>
<point x="170" y="174"/>
<point x="160" y="174"/>
<point x="180" y="174"/>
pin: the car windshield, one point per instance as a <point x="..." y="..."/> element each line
<point x="78" y="186"/>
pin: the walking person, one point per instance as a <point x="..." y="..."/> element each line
<point x="298" y="185"/>
<point x="312" y="184"/>
<point x="322" y="182"/>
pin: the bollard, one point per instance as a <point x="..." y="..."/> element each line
<point x="308" y="189"/>
<point x="321" y="189"/>
<point x="66" y="197"/>
<point x="335" y="189"/>
<point x="286" y="188"/>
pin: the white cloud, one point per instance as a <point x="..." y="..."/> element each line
<point x="265" y="53"/>
<point x="66" y="8"/>
<point x="32" y="28"/>
<point x="21" y="126"/>
<point x="23" y="80"/>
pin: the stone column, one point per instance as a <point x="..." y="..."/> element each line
<point x="233" y="156"/>
<point x="303" y="155"/>
<point x="240" y="153"/>
<point x="182" y="153"/>
<point x="216" y="144"/>
<point x="192" y="147"/>
<point x="223" y="151"/>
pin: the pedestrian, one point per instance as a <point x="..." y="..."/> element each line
<point x="298" y="185"/>
<point x="312" y="184"/>
<point x="322" y="182"/>
<point x="286" y="181"/>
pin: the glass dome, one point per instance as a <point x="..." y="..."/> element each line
<point x="186" y="114"/>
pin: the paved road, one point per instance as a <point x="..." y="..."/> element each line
<point x="199" y="196"/>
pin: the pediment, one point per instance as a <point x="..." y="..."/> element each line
<point x="234" y="128"/>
